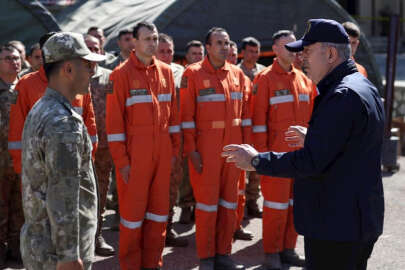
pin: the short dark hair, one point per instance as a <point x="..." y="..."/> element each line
<point x="44" y="38"/>
<point x="213" y="30"/>
<point x="147" y="25"/>
<point x="33" y="48"/>
<point x="193" y="43"/>
<point x="93" y="28"/>
<point x="8" y="47"/>
<point x="232" y="44"/>
<point x="250" y="41"/>
<point x="165" y="38"/>
<point x="52" y="68"/>
<point x="352" y="29"/>
<point x="281" y="33"/>
<point x="124" y="32"/>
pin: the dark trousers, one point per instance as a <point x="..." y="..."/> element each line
<point x="332" y="255"/>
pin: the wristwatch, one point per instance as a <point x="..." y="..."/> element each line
<point x="255" y="161"/>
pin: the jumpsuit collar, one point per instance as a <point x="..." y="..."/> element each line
<point x="208" y="66"/>
<point x="277" y="68"/>
<point x="346" y="68"/>
<point x="138" y="64"/>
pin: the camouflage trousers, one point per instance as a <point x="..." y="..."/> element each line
<point x="50" y="263"/>
<point x="186" y="191"/>
<point x="11" y="211"/>
<point x="103" y="164"/>
<point x="253" y="187"/>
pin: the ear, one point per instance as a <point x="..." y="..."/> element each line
<point x="333" y="55"/>
<point x="274" y="47"/>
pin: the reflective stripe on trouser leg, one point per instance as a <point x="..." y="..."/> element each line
<point x="291" y="235"/>
<point x="205" y="212"/>
<point x="156" y="215"/>
<point x="276" y="193"/>
<point x="227" y="210"/>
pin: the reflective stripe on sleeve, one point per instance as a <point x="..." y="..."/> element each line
<point x="131" y="224"/>
<point x="14" y="145"/>
<point x="276" y="205"/>
<point x="236" y="95"/>
<point x="303" y="97"/>
<point x="227" y="204"/>
<point x="94" y="139"/>
<point x="154" y="217"/>
<point x="206" y="207"/>
<point x="138" y="99"/>
<point x="174" y="129"/>
<point x="186" y="125"/>
<point x="258" y="129"/>
<point x="246" y="122"/>
<point x="119" y="137"/>
<point x="165" y="97"/>
<point x="212" y="97"/>
<point x="291" y="202"/>
<point x="281" y="99"/>
<point x="79" y="110"/>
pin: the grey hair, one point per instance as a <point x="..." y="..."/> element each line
<point x="344" y="50"/>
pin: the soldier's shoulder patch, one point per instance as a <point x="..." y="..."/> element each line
<point x="254" y="91"/>
<point x="184" y="82"/>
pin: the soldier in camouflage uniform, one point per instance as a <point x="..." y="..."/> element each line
<point x="58" y="181"/>
<point x="100" y="86"/>
<point x="11" y="217"/>
<point x="126" y="44"/>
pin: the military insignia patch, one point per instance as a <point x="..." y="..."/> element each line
<point x="138" y="92"/>
<point x="207" y="91"/>
<point x="206" y="83"/>
<point x="184" y="82"/>
<point x="282" y="92"/>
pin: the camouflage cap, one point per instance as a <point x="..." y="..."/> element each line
<point x="68" y="45"/>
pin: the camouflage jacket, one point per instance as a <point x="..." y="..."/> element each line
<point x="100" y="86"/>
<point x="251" y="73"/>
<point x="7" y="96"/>
<point x="58" y="185"/>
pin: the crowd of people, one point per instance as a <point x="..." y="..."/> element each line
<point x="78" y="122"/>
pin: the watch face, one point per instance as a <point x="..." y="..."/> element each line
<point x="255" y="161"/>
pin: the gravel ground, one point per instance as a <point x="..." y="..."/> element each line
<point x="388" y="254"/>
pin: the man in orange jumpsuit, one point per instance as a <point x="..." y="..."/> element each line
<point x="144" y="136"/>
<point x="354" y="37"/>
<point x="213" y="111"/>
<point x="282" y="97"/>
<point x="30" y="89"/>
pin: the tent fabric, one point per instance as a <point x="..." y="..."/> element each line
<point x="26" y="21"/>
<point x="185" y="20"/>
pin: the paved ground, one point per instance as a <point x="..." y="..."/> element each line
<point x="388" y="253"/>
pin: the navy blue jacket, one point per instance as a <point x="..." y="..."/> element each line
<point x="338" y="192"/>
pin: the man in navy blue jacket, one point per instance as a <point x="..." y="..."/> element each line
<point x="339" y="200"/>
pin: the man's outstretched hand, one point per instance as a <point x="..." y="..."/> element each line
<point x="241" y="155"/>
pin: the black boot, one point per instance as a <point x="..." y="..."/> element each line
<point x="289" y="256"/>
<point x="225" y="262"/>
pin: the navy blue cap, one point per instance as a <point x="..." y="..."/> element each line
<point x="320" y="30"/>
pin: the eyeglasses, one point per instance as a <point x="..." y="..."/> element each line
<point x="11" y="59"/>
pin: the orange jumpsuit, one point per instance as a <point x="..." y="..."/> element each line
<point x="30" y="89"/>
<point x="360" y="68"/>
<point x="143" y="132"/>
<point x="280" y="99"/>
<point x="213" y="112"/>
